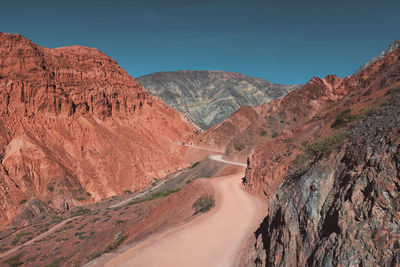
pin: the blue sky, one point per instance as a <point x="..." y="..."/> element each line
<point x="282" y="41"/>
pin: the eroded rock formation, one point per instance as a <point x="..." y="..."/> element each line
<point x="75" y="127"/>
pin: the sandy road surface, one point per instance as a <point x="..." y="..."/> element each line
<point x="213" y="239"/>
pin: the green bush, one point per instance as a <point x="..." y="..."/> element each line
<point x="14" y="261"/>
<point x="119" y="222"/>
<point x="325" y="146"/>
<point x="203" y="204"/>
<point x="344" y="118"/>
<point x="56" y="262"/>
<point x="239" y="147"/>
<point x="22" y="201"/>
<point x="274" y="134"/>
<point x="80" y="211"/>
<point x="50" y="188"/>
<point x="263" y="133"/>
<point x="116" y="244"/>
<point x="153" y="196"/>
<point x="194" y="165"/>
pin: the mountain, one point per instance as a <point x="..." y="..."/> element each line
<point x="393" y="46"/>
<point x="329" y="174"/>
<point x="209" y="97"/>
<point x="76" y="128"/>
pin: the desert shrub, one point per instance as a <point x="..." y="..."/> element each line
<point x="274" y="134"/>
<point x="128" y="192"/>
<point x="203" y="204"/>
<point x="239" y="147"/>
<point x="21" y="234"/>
<point x="344" y="118"/>
<point x="50" y="187"/>
<point x="14" y="261"/>
<point x="288" y="140"/>
<point x="80" y="211"/>
<point x="153" y="196"/>
<point x="116" y="244"/>
<point x="325" y="146"/>
<point x="263" y="133"/>
<point x="56" y="262"/>
<point x="22" y="201"/>
<point x="119" y="222"/>
<point x="56" y="218"/>
<point x="80" y="198"/>
<point x="194" y="165"/>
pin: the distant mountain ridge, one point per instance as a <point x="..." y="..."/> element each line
<point x="393" y="46"/>
<point x="209" y="97"/>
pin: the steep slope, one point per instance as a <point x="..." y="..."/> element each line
<point x="75" y="127"/>
<point x="393" y="46"/>
<point x="343" y="208"/>
<point x="209" y="97"/>
<point x="328" y="186"/>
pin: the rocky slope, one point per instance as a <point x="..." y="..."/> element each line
<point x="344" y="208"/>
<point x="75" y="127"/>
<point x="393" y="46"/>
<point x="333" y="191"/>
<point x="209" y="97"/>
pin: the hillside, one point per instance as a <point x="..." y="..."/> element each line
<point x="209" y="97"/>
<point x="76" y="128"/>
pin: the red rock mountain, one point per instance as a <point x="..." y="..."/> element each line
<point x="332" y="190"/>
<point x="75" y="127"/>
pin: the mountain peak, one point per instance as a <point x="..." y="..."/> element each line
<point x="393" y="46"/>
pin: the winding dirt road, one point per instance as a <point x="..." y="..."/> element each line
<point x="212" y="239"/>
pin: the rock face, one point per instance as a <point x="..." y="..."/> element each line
<point x="75" y="127"/>
<point x="338" y="207"/>
<point x="345" y="209"/>
<point x="209" y="97"/>
<point x="393" y="46"/>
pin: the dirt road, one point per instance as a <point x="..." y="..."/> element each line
<point x="212" y="239"/>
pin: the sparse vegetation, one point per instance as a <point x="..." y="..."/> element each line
<point x="239" y="146"/>
<point x="325" y="146"/>
<point x="194" y="165"/>
<point x="22" y="201"/>
<point x="203" y="204"/>
<point x="56" y="218"/>
<point x="128" y="192"/>
<point x="343" y="119"/>
<point x="20" y="235"/>
<point x="153" y="196"/>
<point x="282" y="121"/>
<point x="50" y="187"/>
<point x="80" y="198"/>
<point x="80" y="211"/>
<point x="274" y="135"/>
<point x="119" y="222"/>
<point x="116" y="244"/>
<point x="188" y="181"/>
<point x="288" y="140"/>
<point x="263" y="133"/>
<point x="56" y="262"/>
<point x="14" y="261"/>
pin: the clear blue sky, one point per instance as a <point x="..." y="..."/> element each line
<point x="282" y="41"/>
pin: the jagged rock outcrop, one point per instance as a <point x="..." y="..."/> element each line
<point x="339" y="208"/>
<point x="392" y="47"/>
<point x="75" y="127"/>
<point x="344" y="210"/>
<point x="209" y="97"/>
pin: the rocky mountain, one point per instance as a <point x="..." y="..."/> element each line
<point x="209" y="97"/>
<point x="75" y="128"/>
<point x="330" y="173"/>
<point x="393" y="46"/>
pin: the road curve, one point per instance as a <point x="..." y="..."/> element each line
<point x="212" y="239"/>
